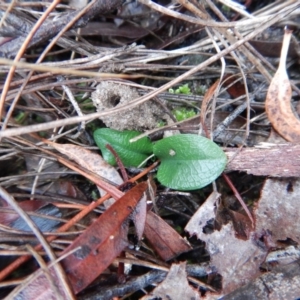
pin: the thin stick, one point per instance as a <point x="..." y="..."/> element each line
<point x="76" y="107"/>
<point x="238" y="196"/>
<point x="119" y="162"/>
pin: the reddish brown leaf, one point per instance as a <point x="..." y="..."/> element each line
<point x="241" y="223"/>
<point x="102" y="241"/>
<point x="97" y="246"/>
<point x="139" y="217"/>
<point x="66" y="188"/>
<point x="234" y="88"/>
<point x="278" y="100"/>
<point x="206" y="100"/>
<point x="163" y="238"/>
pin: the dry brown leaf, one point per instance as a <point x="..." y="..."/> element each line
<point x="205" y="213"/>
<point x="278" y="209"/>
<point x="278" y="100"/>
<point x="175" y="286"/>
<point x="238" y="261"/>
<point x="91" y="161"/>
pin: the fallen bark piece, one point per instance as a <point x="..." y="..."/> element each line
<point x="165" y="240"/>
<point x="276" y="160"/>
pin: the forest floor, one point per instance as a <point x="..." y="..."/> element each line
<point x="150" y="149"/>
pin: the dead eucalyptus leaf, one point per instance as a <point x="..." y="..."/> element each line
<point x="278" y="101"/>
<point x="165" y="240"/>
<point x="93" y="251"/>
<point x="93" y="162"/>
<point x="90" y="160"/>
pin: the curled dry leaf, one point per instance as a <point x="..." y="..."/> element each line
<point x="278" y="101"/>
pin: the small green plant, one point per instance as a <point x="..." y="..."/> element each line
<point x="188" y="161"/>
<point x="183" y="113"/>
<point x="183" y="89"/>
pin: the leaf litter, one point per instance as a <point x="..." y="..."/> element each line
<point x="108" y="243"/>
<point x="237" y="260"/>
<point x="94" y="250"/>
<point x="230" y="225"/>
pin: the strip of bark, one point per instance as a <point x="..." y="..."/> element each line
<point x="276" y="160"/>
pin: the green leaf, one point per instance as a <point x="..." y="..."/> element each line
<point x="131" y="154"/>
<point x="188" y="161"/>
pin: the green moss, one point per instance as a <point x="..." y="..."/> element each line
<point x="183" y="113"/>
<point x="183" y="89"/>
